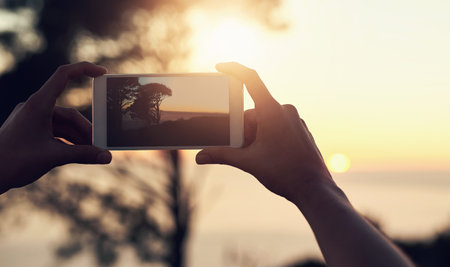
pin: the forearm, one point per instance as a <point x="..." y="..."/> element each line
<point x="345" y="237"/>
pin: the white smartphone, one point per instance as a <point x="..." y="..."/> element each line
<point x="167" y="111"/>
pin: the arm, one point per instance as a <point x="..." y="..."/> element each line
<point x="29" y="146"/>
<point x="281" y="153"/>
<point x="344" y="236"/>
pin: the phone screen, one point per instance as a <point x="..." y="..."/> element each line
<point x="167" y="111"/>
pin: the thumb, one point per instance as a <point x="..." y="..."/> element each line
<point x="87" y="154"/>
<point x="220" y="155"/>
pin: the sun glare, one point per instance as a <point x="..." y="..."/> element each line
<point x="338" y="163"/>
<point x="224" y="40"/>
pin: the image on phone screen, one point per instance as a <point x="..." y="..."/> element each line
<point x="167" y="111"/>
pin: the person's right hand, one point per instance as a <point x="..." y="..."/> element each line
<point x="278" y="150"/>
<point x="281" y="153"/>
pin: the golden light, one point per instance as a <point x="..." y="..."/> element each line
<point x="224" y="39"/>
<point x="338" y="163"/>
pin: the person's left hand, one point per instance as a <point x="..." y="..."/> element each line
<point x="29" y="143"/>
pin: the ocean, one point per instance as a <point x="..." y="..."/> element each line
<point x="240" y="223"/>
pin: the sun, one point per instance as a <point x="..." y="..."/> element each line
<point x="217" y="40"/>
<point x="338" y="163"/>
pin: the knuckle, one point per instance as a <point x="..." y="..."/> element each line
<point x="251" y="70"/>
<point x="18" y="106"/>
<point x="290" y="108"/>
<point x="249" y="112"/>
<point x="63" y="69"/>
<point x="250" y="73"/>
<point x="253" y="73"/>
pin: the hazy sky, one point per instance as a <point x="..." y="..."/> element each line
<point x="194" y="94"/>
<point x="370" y="78"/>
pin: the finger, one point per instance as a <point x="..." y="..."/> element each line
<point x="58" y="81"/>
<point x="71" y="135"/>
<point x="14" y="113"/>
<point x="311" y="139"/>
<point x="292" y="114"/>
<point x="220" y="155"/>
<point x="72" y="126"/>
<point x="296" y="119"/>
<point x="255" y="87"/>
<point x="291" y="110"/>
<point x="250" y="127"/>
<point x="17" y="107"/>
<point x="85" y="154"/>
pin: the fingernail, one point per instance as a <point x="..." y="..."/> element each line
<point x="104" y="158"/>
<point x="203" y="159"/>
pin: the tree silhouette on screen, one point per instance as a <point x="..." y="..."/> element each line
<point x="121" y="93"/>
<point x="148" y="100"/>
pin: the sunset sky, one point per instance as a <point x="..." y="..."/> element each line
<point x="371" y="79"/>
<point x="194" y="94"/>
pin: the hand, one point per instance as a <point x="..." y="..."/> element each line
<point x="278" y="149"/>
<point x="281" y="153"/>
<point x="28" y="144"/>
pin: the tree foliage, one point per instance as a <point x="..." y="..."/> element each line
<point x="110" y="33"/>
<point x="64" y="31"/>
<point x="146" y="104"/>
<point x="121" y="92"/>
<point x="150" y="214"/>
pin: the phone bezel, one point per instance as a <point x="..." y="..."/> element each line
<point x="236" y="107"/>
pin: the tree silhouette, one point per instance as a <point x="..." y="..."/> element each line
<point x="57" y="28"/>
<point x="61" y="27"/>
<point x="121" y="92"/>
<point x="148" y="100"/>
<point x="103" y="222"/>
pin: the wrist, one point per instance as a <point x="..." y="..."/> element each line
<point x="316" y="190"/>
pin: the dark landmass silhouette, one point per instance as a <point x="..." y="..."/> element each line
<point x="196" y="131"/>
<point x="434" y="251"/>
<point x="308" y="263"/>
<point x="169" y="115"/>
<point x="428" y="252"/>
